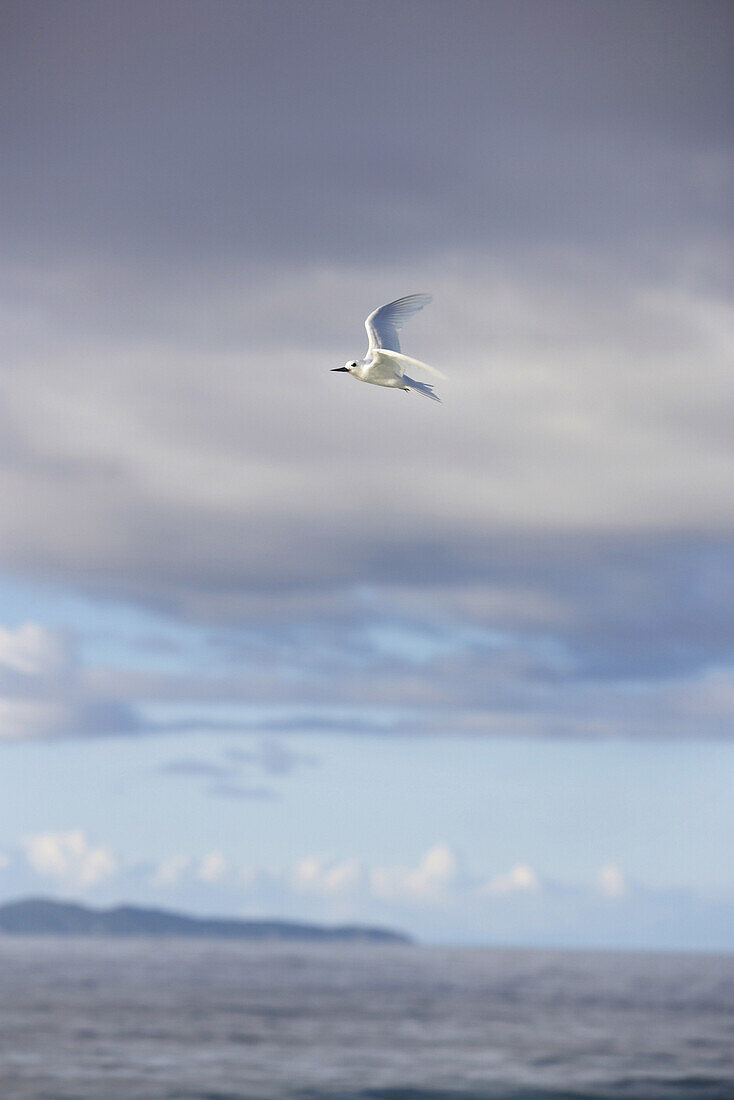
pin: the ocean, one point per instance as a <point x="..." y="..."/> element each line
<point x="214" y="1020"/>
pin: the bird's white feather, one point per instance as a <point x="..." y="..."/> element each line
<point x="400" y="363"/>
<point x="383" y="324"/>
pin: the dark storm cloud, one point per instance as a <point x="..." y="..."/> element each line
<point x="188" y="129"/>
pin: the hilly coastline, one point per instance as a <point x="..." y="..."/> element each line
<point x="43" y="916"/>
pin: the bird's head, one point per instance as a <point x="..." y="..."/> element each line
<point x="348" y="367"/>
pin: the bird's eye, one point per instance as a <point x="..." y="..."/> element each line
<point x="352" y="364"/>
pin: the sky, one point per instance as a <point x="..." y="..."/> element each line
<point x="274" y="644"/>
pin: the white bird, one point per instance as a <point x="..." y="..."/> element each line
<point x="385" y="364"/>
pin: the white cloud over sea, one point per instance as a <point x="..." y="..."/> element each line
<point x="518" y="905"/>
<point x="69" y="859"/>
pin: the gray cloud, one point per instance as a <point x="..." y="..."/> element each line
<point x="229" y="777"/>
<point x="203" y="203"/>
<point x="196" y="768"/>
<point x="258" y="792"/>
<point x="259" y="128"/>
<point x="42" y="694"/>
<point x="554" y="437"/>
<point x="271" y="756"/>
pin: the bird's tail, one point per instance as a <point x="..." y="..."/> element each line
<point x="421" y="387"/>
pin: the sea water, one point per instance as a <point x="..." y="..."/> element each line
<point x="189" y="1020"/>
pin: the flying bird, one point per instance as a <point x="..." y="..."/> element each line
<point x="385" y="364"/>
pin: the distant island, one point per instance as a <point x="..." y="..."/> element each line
<point x="44" y="917"/>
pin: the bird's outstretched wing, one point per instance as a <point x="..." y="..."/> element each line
<point x="382" y="324"/>
<point x="398" y="363"/>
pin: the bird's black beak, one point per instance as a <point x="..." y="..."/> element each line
<point x="340" y="368"/>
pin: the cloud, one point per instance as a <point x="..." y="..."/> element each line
<point x="197" y="768"/>
<point x="41" y="693"/>
<point x="531" y="158"/>
<point x="326" y="877"/>
<point x="69" y="858"/>
<point x="611" y="882"/>
<point x="212" y="867"/>
<point x="405" y="674"/>
<point x="270" y="756"/>
<point x="549" y="554"/>
<point x="582" y="461"/>
<point x="520" y="879"/>
<point x="31" y="651"/>
<point x="170" y="871"/>
<point x="430" y="879"/>
<point x="435" y="898"/>
<point x="226" y="778"/>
